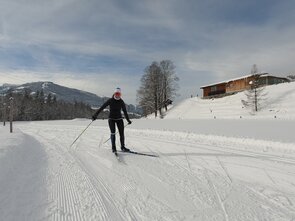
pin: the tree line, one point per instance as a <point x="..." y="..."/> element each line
<point x="29" y="106"/>
<point x="159" y="84"/>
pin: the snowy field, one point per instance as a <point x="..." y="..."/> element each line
<point x="207" y="169"/>
<point x="196" y="176"/>
<point x="278" y="102"/>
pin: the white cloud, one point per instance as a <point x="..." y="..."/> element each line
<point x="238" y="48"/>
<point x="197" y="36"/>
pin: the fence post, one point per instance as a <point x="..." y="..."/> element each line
<point x="11" y="113"/>
<point x="4" y="114"/>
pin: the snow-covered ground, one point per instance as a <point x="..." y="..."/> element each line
<point x="207" y="169"/>
<point x="279" y="102"/>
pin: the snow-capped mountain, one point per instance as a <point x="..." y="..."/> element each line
<point x="61" y="92"/>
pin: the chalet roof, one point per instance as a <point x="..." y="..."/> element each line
<point x="234" y="79"/>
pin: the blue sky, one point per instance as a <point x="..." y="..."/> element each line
<point x="97" y="45"/>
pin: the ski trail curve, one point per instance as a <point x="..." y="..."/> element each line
<point x="75" y="192"/>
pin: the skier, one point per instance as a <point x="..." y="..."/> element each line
<point x="116" y="104"/>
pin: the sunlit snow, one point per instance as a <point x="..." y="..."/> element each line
<point x="216" y="161"/>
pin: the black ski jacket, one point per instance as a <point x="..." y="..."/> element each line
<point x="115" y="109"/>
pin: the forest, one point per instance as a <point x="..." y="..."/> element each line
<point x="30" y="106"/>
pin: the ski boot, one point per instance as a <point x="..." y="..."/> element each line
<point x="124" y="149"/>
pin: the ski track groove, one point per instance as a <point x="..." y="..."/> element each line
<point x="190" y="172"/>
<point x="172" y="181"/>
<point x="176" y="163"/>
<point x="73" y="197"/>
<point x="91" y="186"/>
<point x="196" y="145"/>
<point x="288" y="211"/>
<point x="185" y="170"/>
<point x="156" y="203"/>
<point x="132" y="184"/>
<point x="66" y="192"/>
<point x="62" y="189"/>
<point x="230" y="151"/>
<point x="225" y="149"/>
<point x="107" y="196"/>
<point x="207" y="175"/>
<point x="213" y="192"/>
<point x="224" y="169"/>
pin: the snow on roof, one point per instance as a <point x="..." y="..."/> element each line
<point x="234" y="79"/>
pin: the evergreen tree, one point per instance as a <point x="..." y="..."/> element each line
<point x="255" y="95"/>
<point x="40" y="107"/>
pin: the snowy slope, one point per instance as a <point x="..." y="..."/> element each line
<point x="279" y="103"/>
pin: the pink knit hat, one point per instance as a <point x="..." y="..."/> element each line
<point x="117" y="93"/>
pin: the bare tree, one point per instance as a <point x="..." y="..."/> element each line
<point x="148" y="93"/>
<point x="255" y="95"/>
<point x="169" y="82"/>
<point x="158" y="84"/>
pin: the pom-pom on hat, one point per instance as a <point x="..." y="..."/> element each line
<point x="117" y="90"/>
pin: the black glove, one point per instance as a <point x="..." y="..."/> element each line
<point x="129" y="122"/>
<point x="94" y="117"/>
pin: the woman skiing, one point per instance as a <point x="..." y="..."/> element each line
<point x="116" y="104"/>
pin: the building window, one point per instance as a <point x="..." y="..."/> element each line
<point x="229" y="85"/>
<point x="213" y="88"/>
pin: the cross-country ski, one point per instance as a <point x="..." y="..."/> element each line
<point x="139" y="153"/>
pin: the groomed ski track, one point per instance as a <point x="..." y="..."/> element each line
<point x="194" y="177"/>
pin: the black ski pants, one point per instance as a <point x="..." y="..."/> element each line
<point x="120" y="125"/>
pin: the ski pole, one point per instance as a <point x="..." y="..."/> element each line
<point x="81" y="134"/>
<point x="115" y="134"/>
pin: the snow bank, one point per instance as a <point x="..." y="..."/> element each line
<point x="22" y="172"/>
<point x="225" y="143"/>
<point x="277" y="130"/>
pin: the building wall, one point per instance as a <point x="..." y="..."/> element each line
<point x="206" y="91"/>
<point x="238" y="85"/>
<point x="214" y="90"/>
<point x="275" y="80"/>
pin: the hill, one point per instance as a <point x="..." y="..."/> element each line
<point x="279" y="103"/>
<point x="62" y="93"/>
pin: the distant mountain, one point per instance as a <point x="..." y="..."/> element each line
<point x="62" y="93"/>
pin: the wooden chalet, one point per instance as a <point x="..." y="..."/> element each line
<point x="239" y="84"/>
